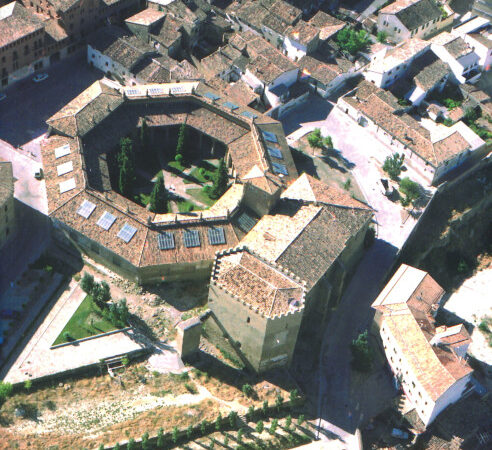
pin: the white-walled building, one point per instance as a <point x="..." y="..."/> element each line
<point x="461" y="56"/>
<point x="405" y="19"/>
<point x="481" y="42"/>
<point x="427" y="361"/>
<point x="388" y="66"/>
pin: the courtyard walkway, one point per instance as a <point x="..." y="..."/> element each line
<point x="38" y="360"/>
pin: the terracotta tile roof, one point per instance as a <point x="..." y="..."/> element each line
<point x="307" y="188"/>
<point x="413" y="13"/>
<point x="450" y="147"/>
<point x="458" y="48"/>
<point x="407" y="303"/>
<point x="146" y="17"/>
<point x="302" y="32"/>
<point x="17" y="22"/>
<point x="319" y="70"/>
<point x="251" y="13"/>
<point x="54" y="30"/>
<point x="427" y="71"/>
<point x="258" y="283"/>
<point x="328" y="25"/>
<point x="6" y="182"/>
<point x="86" y="110"/>
<point x="166" y="33"/>
<point x="240" y="92"/>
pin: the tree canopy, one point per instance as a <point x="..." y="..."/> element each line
<point x="351" y="40"/>
<point x="221" y="181"/>
<point x="126" y="163"/>
<point x="158" y="196"/>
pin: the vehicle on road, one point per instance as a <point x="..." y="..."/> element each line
<point x="40" y="77"/>
<point x="2" y="96"/>
<point x="397" y="433"/>
<point x="9" y="314"/>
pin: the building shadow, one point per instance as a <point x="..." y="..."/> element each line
<point x="318" y="110"/>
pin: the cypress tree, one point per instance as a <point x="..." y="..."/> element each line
<point x="158" y="197"/>
<point x="126" y="163"/>
<point x="181" y="146"/>
<point x="220" y="181"/>
<point x="144" y="135"/>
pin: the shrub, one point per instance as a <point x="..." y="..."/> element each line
<point x="279" y="402"/>
<point x="300" y="419"/>
<point x="101" y="447"/>
<point x="361" y="353"/>
<point x="218" y="422"/>
<point x="259" y="427"/>
<point x="179" y="158"/>
<point x="288" y="422"/>
<point x="393" y="164"/>
<point x="190" y="388"/>
<point x="125" y="360"/>
<point x="226" y="440"/>
<point x="28" y="385"/>
<point x="381" y="36"/>
<point x="5" y="391"/>
<point x="145" y="441"/>
<point x="48" y="269"/>
<point x="347" y="184"/>
<point x="232" y="418"/>
<point x="76" y="277"/>
<point x="240" y="433"/>
<point x="117" y="446"/>
<point x="293" y="395"/>
<point x="273" y="426"/>
<point x="315" y="139"/>
<point x="203" y="427"/>
<point x="247" y="390"/>
<point x="484" y="325"/>
<point x="189" y="432"/>
<point x="67" y="337"/>
<point x="87" y="283"/>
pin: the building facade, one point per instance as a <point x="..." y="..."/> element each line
<point x="7" y="206"/>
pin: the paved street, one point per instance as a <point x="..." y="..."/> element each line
<point x="27" y="106"/>
<point x="362" y="149"/>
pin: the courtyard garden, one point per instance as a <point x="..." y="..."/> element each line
<point x="171" y="170"/>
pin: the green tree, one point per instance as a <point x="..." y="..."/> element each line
<point x="240" y="433"/>
<point x="351" y="40"/>
<point x="279" y="402"/>
<point x="203" y="427"/>
<point x="160" y="438"/>
<point x="181" y="148"/>
<point x="411" y="189"/>
<point x="123" y="312"/>
<point x="28" y="384"/>
<point x="101" y="447"/>
<point x="218" y="422"/>
<point x="101" y="293"/>
<point x="381" y="36"/>
<point x="145" y="441"/>
<point x="126" y="178"/>
<point x="315" y="139"/>
<point x="232" y="418"/>
<point x="251" y="413"/>
<point x="174" y="435"/>
<point x="144" y="135"/>
<point x="189" y="432"/>
<point x="273" y="426"/>
<point x="247" y="390"/>
<point x="288" y="422"/>
<point x="87" y="283"/>
<point x="5" y="391"/>
<point x="221" y="181"/>
<point x="300" y="419"/>
<point x="226" y="440"/>
<point x="293" y="395"/>
<point x="259" y="427"/>
<point x="327" y="142"/>
<point x="393" y="164"/>
<point x="158" y="196"/>
<point x="264" y="408"/>
<point x="361" y="353"/>
<point x="131" y="444"/>
<point x="117" y="446"/>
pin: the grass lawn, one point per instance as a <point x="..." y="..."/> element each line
<point x="201" y="196"/>
<point x="86" y="321"/>
<point x="202" y="174"/>
<point x="142" y="199"/>
<point x="176" y="165"/>
<point x="185" y="206"/>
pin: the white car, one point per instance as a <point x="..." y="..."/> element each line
<point x="2" y="96"/>
<point x="40" y="77"/>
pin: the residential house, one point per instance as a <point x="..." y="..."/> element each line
<point x="390" y="65"/>
<point x="142" y="23"/>
<point x="7" y="205"/>
<point x="434" y="157"/>
<point x="22" y="43"/>
<point x="458" y="54"/>
<point x="481" y="43"/>
<point x="428" y="361"/>
<point x="482" y="8"/>
<point x="405" y="19"/>
<point x="282" y="278"/>
<point x="325" y="78"/>
<point x="281" y="15"/>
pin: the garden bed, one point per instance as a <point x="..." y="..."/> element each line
<point x="87" y="321"/>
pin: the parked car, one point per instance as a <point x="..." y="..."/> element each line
<point x="2" y="96"/>
<point x="397" y="433"/>
<point x="9" y="314"/>
<point x="40" y="77"/>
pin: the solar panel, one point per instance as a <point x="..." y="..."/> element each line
<point x="67" y="185"/>
<point x="106" y="220"/>
<point x="191" y="238"/>
<point x="86" y="209"/>
<point x="127" y="232"/>
<point x="280" y="168"/>
<point x="133" y="93"/>
<point x="245" y="222"/>
<point x="165" y="240"/>
<point x="177" y="89"/>
<point x="216" y="235"/>
<point x="231" y="105"/>
<point x="269" y="136"/>
<point x="249" y="115"/>
<point x="64" y="168"/>
<point x="211" y="96"/>
<point x="275" y="152"/>
<point x="62" y="151"/>
<point x="156" y="91"/>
